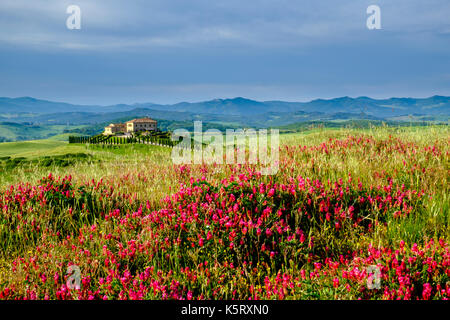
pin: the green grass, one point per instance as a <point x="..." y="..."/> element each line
<point x="11" y="131"/>
<point x="63" y="136"/>
<point x="37" y="148"/>
<point x="127" y="177"/>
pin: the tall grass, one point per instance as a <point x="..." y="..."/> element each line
<point x="141" y="227"/>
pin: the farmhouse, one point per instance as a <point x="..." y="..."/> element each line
<point x="114" y="128"/>
<point x="135" y="125"/>
<point x="143" y="124"/>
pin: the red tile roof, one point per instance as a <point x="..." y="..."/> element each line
<point x="141" y="120"/>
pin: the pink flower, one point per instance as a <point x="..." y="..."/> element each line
<point x="426" y="293"/>
<point x="336" y="282"/>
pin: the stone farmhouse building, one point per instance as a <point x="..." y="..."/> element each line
<point x="114" y="128"/>
<point x="135" y="125"/>
<point x="143" y="124"/>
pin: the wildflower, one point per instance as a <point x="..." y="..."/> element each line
<point x="335" y="282"/>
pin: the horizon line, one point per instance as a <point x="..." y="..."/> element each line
<point x="234" y="98"/>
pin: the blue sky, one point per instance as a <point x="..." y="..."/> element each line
<point x="168" y="51"/>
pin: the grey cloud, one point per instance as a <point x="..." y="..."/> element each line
<point x="114" y="24"/>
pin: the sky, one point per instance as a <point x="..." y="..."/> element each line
<point x="168" y="51"/>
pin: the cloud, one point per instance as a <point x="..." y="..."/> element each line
<point x="171" y="50"/>
<point x="134" y="25"/>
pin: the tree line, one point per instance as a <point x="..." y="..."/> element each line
<point x="101" y="139"/>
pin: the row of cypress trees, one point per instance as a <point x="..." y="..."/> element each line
<point x="101" y="139"/>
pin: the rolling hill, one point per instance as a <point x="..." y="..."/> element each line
<point x="29" y="118"/>
<point x="240" y="106"/>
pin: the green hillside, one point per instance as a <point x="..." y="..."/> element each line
<point x="37" y="148"/>
<point x="11" y="131"/>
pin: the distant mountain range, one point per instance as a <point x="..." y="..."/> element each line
<point x="380" y="108"/>
<point x="236" y="112"/>
<point x="436" y="105"/>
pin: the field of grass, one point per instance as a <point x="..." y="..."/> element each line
<point x="11" y="131"/>
<point x="139" y="227"/>
<point x="36" y="148"/>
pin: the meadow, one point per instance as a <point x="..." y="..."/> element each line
<point x="343" y="203"/>
<point x="22" y="131"/>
